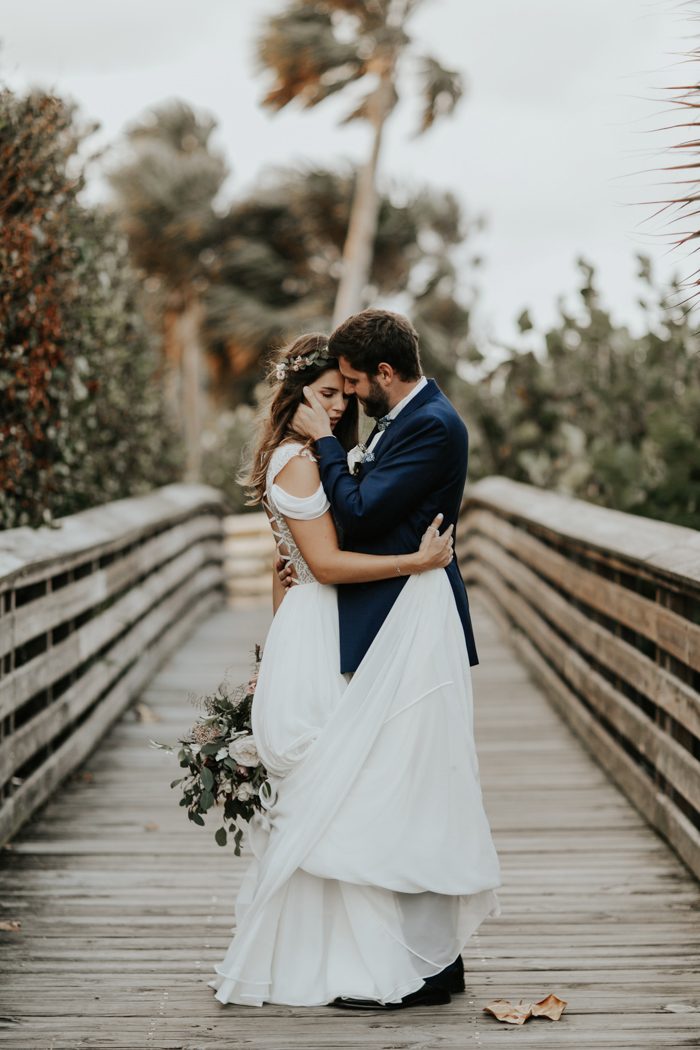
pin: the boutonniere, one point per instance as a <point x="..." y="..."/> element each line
<point x="357" y="456"/>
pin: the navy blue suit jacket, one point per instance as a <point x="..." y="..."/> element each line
<point x="419" y="469"/>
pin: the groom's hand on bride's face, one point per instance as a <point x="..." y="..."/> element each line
<point x="285" y="571"/>
<point x="311" y="419"/>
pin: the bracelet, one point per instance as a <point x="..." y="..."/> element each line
<point x="398" y="568"/>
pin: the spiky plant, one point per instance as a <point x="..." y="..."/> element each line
<point x="681" y="209"/>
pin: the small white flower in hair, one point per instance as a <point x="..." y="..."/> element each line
<point x="317" y="357"/>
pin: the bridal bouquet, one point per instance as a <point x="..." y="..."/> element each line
<point x="225" y="773"/>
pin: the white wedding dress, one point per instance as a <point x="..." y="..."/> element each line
<point x="376" y="863"/>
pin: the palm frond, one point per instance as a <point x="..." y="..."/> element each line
<point x="442" y="90"/>
<point x="308" y="61"/>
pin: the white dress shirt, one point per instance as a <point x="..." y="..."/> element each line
<point x="393" y="413"/>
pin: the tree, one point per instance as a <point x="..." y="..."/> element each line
<point x="317" y="48"/>
<point x="165" y="190"/>
<point x="81" y="419"/>
<point x="600" y="414"/>
<point x="272" y="273"/>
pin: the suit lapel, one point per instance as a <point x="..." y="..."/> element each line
<point x="429" y="391"/>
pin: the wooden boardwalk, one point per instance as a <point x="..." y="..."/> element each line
<point x="124" y="906"/>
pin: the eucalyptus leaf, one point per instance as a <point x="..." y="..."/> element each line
<point x="207" y="778"/>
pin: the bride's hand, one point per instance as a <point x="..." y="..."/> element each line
<point x="436" y="550"/>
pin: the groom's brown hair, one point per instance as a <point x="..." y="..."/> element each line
<point x="372" y="336"/>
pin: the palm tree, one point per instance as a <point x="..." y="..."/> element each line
<point x="273" y="275"/>
<point x="317" y="48"/>
<point x="273" y="271"/>
<point x="164" y="191"/>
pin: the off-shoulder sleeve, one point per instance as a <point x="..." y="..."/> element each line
<point x="303" y="508"/>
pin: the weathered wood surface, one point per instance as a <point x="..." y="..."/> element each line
<point x="661" y="547"/>
<point x="604" y="608"/>
<point x="125" y="906"/>
<point x="88" y="610"/>
<point x="249" y="548"/>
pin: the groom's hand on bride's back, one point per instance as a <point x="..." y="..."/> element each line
<point x="285" y="572"/>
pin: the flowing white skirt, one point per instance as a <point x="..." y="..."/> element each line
<point x="376" y="864"/>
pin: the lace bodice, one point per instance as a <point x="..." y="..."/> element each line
<point x="281" y="504"/>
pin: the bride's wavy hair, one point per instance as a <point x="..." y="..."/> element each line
<point x="290" y="369"/>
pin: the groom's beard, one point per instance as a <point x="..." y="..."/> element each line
<point x="376" y="404"/>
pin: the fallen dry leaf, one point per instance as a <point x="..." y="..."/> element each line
<point x="151" y="826"/>
<point x="11" y="925"/>
<point x="504" y="1010"/>
<point x="551" y="1007"/>
<point x="518" y="1013"/>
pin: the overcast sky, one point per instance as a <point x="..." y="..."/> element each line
<point x="561" y="102"/>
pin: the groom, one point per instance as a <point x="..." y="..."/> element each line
<point x="412" y="467"/>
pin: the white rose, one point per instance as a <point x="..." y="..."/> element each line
<point x="355" y="457"/>
<point x="245" y="792"/>
<point x="244" y="751"/>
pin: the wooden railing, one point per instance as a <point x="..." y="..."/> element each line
<point x="88" y="610"/>
<point x="603" y="606"/>
<point x="605" y="609"/>
<point x="250" y="549"/>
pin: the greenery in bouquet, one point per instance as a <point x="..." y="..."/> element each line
<point x="224" y="773"/>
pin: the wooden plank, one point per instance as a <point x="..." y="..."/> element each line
<point x="668" y="692"/>
<point x="658" y="808"/>
<point x="659" y="547"/>
<point x="667" y="629"/>
<point x="89" y="639"/>
<point x="46" y="612"/>
<point x="249" y="552"/>
<point x="253" y="524"/>
<point x="121" y="925"/>
<point x="678" y="765"/>
<point x="28" y="555"/>
<point x="29" y="738"/>
<point x="189" y="603"/>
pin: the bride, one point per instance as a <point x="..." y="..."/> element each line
<point x="374" y="862"/>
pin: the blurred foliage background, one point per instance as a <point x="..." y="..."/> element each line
<point x="599" y="414"/>
<point x="82" y="417"/>
<point x="134" y="333"/>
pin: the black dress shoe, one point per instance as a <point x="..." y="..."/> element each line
<point x="425" y="996"/>
<point x="451" y="978"/>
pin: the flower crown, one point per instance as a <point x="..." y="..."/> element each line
<point x="316" y="357"/>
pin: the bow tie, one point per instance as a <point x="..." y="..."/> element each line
<point x="384" y="422"/>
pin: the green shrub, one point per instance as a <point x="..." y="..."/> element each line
<point x="601" y="414"/>
<point x="82" y="419"/>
